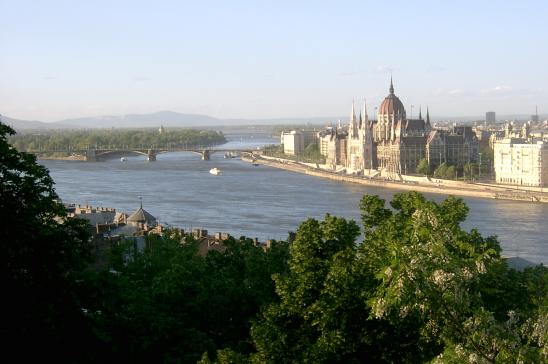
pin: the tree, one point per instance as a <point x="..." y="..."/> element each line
<point x="440" y="171"/>
<point x="450" y="173"/>
<point x="43" y="256"/>
<point x="445" y="171"/>
<point x="323" y="315"/>
<point x="451" y="280"/>
<point x="312" y="152"/>
<point x="423" y="167"/>
<point x="470" y="170"/>
<point x="181" y="306"/>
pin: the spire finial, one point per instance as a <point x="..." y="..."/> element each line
<point x="141" y="201"/>
<point x="391" y="85"/>
<point x="427" y="116"/>
<point x="353" y="114"/>
<point x="420" y="113"/>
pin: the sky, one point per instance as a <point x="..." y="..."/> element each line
<point x="270" y="59"/>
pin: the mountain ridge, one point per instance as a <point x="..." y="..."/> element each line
<point x="169" y="118"/>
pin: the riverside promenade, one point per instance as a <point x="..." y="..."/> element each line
<point x="412" y="183"/>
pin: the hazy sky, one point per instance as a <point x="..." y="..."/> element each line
<point x="267" y="59"/>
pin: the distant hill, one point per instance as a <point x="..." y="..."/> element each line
<point x="165" y="118"/>
<point x="18" y="124"/>
<point x="175" y="119"/>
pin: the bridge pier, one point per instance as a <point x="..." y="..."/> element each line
<point x="205" y="155"/>
<point x="151" y="155"/>
<point x="91" y="155"/>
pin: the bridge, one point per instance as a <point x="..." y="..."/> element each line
<point x="95" y="155"/>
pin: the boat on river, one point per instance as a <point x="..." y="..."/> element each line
<point x="230" y="155"/>
<point x="215" y="171"/>
<point x="123" y="159"/>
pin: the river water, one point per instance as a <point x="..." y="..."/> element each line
<point x="264" y="202"/>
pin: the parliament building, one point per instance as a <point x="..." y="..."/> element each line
<point x="393" y="143"/>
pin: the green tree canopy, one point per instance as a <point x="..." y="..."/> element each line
<point x="423" y="167"/>
<point x="67" y="140"/>
<point x="179" y="305"/>
<point x="323" y="315"/>
<point x="43" y="255"/>
<point x="449" y="278"/>
<point x="419" y="288"/>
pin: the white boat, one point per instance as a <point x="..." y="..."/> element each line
<point x="123" y="159"/>
<point x="216" y="171"/>
<point x="230" y="155"/>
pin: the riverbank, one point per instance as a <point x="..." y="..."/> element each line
<point x="64" y="158"/>
<point x="412" y="183"/>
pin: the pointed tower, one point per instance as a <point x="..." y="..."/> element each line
<point x="352" y="128"/>
<point x="391" y="89"/>
<point x="427" y="126"/>
<point x="364" y="129"/>
<point x="420" y="113"/>
<point x="366" y="141"/>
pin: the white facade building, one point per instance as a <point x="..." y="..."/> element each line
<point x="521" y="162"/>
<point x="293" y="142"/>
<point x="359" y="155"/>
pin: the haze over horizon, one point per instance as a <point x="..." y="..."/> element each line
<point x="248" y="60"/>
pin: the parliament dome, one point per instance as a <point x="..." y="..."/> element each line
<point x="392" y="104"/>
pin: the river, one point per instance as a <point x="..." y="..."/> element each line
<point x="263" y="202"/>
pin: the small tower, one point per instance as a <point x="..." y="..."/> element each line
<point x="366" y="140"/>
<point x="161" y="130"/>
<point x="428" y="126"/>
<point x="352" y="129"/>
<point x="526" y="130"/>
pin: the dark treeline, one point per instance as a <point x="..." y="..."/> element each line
<point x="417" y="289"/>
<point x="67" y="140"/>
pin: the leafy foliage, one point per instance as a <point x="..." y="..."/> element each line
<point x="471" y="170"/>
<point x="445" y="171"/>
<point x="178" y="304"/>
<point x="430" y="268"/>
<point x="323" y="315"/>
<point x="42" y="259"/>
<point x="115" y="138"/>
<point x="423" y="167"/>
<point x="418" y="289"/>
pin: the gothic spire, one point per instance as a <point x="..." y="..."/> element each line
<point x="427" y="116"/>
<point x="391" y="86"/>
<point x="352" y="128"/>
<point x="420" y="113"/>
<point x="365" y="117"/>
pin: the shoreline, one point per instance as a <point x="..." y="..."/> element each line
<point x="67" y="158"/>
<point x="444" y="187"/>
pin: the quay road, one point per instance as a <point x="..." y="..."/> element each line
<point x="425" y="185"/>
<point x="94" y="155"/>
